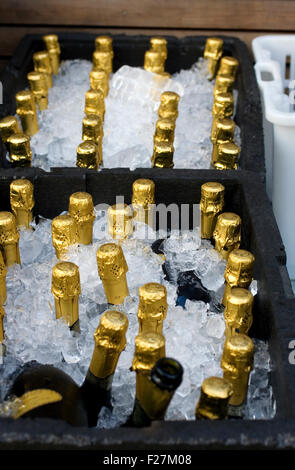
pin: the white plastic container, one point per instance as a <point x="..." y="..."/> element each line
<point x="275" y="73"/>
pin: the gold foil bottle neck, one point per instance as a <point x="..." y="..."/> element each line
<point x="120" y="221"/>
<point x="64" y="233"/>
<point x="213" y="48"/>
<point x="110" y="341"/>
<point x="227" y="233"/>
<point x="51" y="42"/>
<point x="154" y="62"/>
<point x="94" y="103"/>
<point x="20" y="150"/>
<point x="143" y="192"/>
<point x="223" y="130"/>
<point x="9" y="125"/>
<point x="9" y="238"/>
<point x="149" y="348"/>
<point x="65" y="280"/>
<point x="22" y="201"/>
<point x="92" y="128"/>
<point x="104" y="44"/>
<point x="223" y="105"/>
<point x="42" y="63"/>
<point x="212" y="202"/>
<point x="237" y="362"/>
<point x="103" y="60"/>
<point x="224" y="83"/>
<point x="168" y="108"/>
<point x="163" y="155"/>
<point x="228" y="154"/>
<point x="82" y="210"/>
<point x="214" y="399"/>
<point x="152" y="302"/>
<point x="239" y="268"/>
<point x="111" y="262"/>
<point x="238" y="310"/>
<point x="228" y="66"/>
<point x="165" y="129"/>
<point x="159" y="44"/>
<point x="38" y="86"/>
<point x="99" y="80"/>
<point x="87" y="155"/>
<point x="26" y="110"/>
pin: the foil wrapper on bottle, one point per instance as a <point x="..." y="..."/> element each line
<point x="120" y="221"/>
<point x="3" y="272"/>
<point x="38" y="86"/>
<point x="214" y="399"/>
<point x="20" y="153"/>
<point x="222" y="132"/>
<point x="212" y="202"/>
<point x="110" y="341"/>
<point x="165" y="129"/>
<point x="154" y="62"/>
<point x="168" y="108"/>
<point x="82" y="210"/>
<point x="163" y="155"/>
<point x="66" y="289"/>
<point x="227" y="233"/>
<point x="212" y="53"/>
<point x="152" y="308"/>
<point x="53" y="49"/>
<point x="9" y="239"/>
<point x="224" y="83"/>
<point x="22" y="201"/>
<point x="94" y="103"/>
<point x="149" y="348"/>
<point x="9" y="125"/>
<point x="223" y="106"/>
<point x="238" y="311"/>
<point x="143" y="201"/>
<point x="227" y="156"/>
<point x="103" y="60"/>
<point x="239" y="271"/>
<point x="104" y="44"/>
<point x="228" y="66"/>
<point x="64" y="234"/>
<point x="87" y="155"/>
<point x="26" y="111"/>
<point x="112" y="269"/>
<point x="237" y="362"/>
<point x="99" y="80"/>
<point x="42" y="64"/>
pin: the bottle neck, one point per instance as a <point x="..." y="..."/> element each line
<point x="96" y="393"/>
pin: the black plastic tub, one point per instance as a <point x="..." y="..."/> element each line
<point x="274" y="311"/>
<point x="182" y="53"/>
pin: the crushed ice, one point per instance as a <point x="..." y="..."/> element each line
<point x="194" y="335"/>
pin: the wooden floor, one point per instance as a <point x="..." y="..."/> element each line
<point x="245" y="19"/>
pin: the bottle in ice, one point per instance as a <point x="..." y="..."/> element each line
<point x="26" y="111"/>
<point x="9" y="125"/>
<point x="53" y="49"/>
<point x="20" y="153"/>
<point x="214" y="399"/>
<point x="22" y="201"/>
<point x="143" y="200"/>
<point x="227" y="233"/>
<point x="39" y="88"/>
<point x="238" y="311"/>
<point x="9" y="239"/>
<point x="82" y="210"/>
<point x="238" y="271"/>
<point x="64" y="231"/>
<point x="152" y="308"/>
<point x="42" y="64"/>
<point x="228" y="155"/>
<point x="212" y="53"/>
<point x="212" y="202"/>
<point x="44" y="391"/>
<point x="110" y="341"/>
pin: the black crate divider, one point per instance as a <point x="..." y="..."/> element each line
<point x="274" y="309"/>
<point x="182" y="53"/>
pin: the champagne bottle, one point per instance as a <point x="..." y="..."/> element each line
<point x="212" y="53"/>
<point x="165" y="129"/>
<point x="99" y="80"/>
<point x="66" y="289"/>
<point x="159" y="44"/>
<point x="104" y="44"/>
<point x="92" y="130"/>
<point x="168" y="108"/>
<point x="20" y="153"/>
<point x="26" y="111"/>
<point x="44" y="391"/>
<point x="102" y="60"/>
<point x="227" y="233"/>
<point x="238" y="271"/>
<point x="155" y="391"/>
<point x="120" y="221"/>
<point x="42" y="64"/>
<point x="228" y="155"/>
<point x="237" y="362"/>
<point x="228" y="66"/>
<point x="152" y="308"/>
<point x="87" y="155"/>
<point x="143" y="200"/>
<point x="82" y="210"/>
<point x="163" y="155"/>
<point x="22" y="201"/>
<point x="53" y="49"/>
<point x="224" y="83"/>
<point x="212" y="202"/>
<point x="94" y="103"/>
<point x="64" y="234"/>
<point x="214" y="399"/>
<point x="110" y="341"/>
<point x="154" y="62"/>
<point x="112" y="269"/>
<point x="9" y="125"/>
<point x="9" y="239"/>
<point x="39" y="88"/>
<point x="238" y="311"/>
<point x="222" y="132"/>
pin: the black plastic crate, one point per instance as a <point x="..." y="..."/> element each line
<point x="182" y="53"/>
<point x="274" y="310"/>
